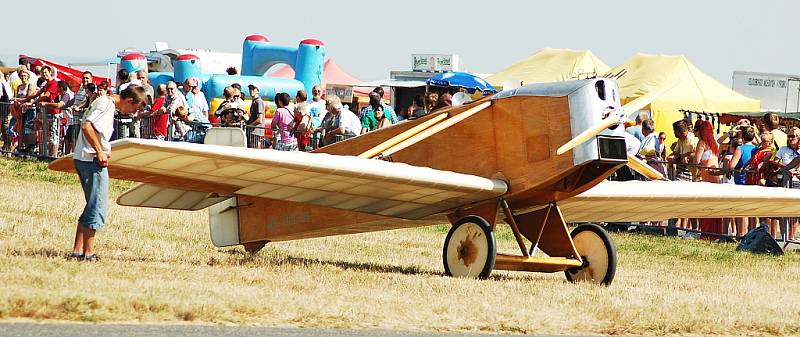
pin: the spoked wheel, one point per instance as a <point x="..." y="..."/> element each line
<point x="469" y="249"/>
<point x="598" y="254"/>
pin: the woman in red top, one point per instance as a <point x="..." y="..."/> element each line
<point x="157" y="121"/>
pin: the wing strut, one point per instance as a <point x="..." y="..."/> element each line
<point x="435" y="129"/>
<point x="377" y="149"/>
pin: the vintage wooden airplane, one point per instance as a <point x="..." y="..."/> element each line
<point x="469" y="165"/>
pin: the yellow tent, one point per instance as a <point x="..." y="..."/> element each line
<point x="694" y="90"/>
<point x="551" y="65"/>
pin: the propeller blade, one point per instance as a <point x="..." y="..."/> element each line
<point x="642" y="168"/>
<point x="643" y="101"/>
<point x="610" y="121"/>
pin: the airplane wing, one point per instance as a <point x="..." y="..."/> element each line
<point x="155" y="196"/>
<point x="344" y="182"/>
<point x="662" y="200"/>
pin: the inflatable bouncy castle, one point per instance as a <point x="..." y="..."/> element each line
<point x="258" y="55"/>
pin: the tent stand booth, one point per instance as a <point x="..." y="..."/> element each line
<point x="694" y="90"/>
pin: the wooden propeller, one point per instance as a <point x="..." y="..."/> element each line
<point x="589" y="133"/>
<point x="642" y="168"/>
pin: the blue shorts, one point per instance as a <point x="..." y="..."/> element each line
<point x="94" y="180"/>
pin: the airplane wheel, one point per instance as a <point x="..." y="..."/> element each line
<point x="469" y="249"/>
<point x="598" y="254"/>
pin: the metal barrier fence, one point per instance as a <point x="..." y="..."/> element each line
<point x="5" y="118"/>
<point x="48" y="136"/>
<point x="37" y="132"/>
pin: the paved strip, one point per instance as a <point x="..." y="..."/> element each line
<point x="147" y="330"/>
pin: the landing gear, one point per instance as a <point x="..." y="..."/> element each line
<point x="598" y="254"/>
<point x="469" y="249"/>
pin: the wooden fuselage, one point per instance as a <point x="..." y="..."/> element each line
<point x="514" y="140"/>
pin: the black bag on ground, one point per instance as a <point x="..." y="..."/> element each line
<point x="758" y="240"/>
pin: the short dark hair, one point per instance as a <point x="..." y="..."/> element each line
<point x="123" y="74"/>
<point x="62" y="85"/>
<point x="378" y="90"/>
<point x="92" y="87"/>
<point x="748" y="133"/>
<point x="648" y="125"/>
<point x="282" y="98"/>
<point x="679" y="126"/>
<point x="88" y="73"/>
<point x="237" y="86"/>
<point x="374" y="100"/>
<point x="419" y="101"/>
<point x="135" y="92"/>
<point x="302" y="95"/>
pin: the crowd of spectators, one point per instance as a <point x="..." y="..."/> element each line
<point x="39" y="113"/>
<point x="751" y="153"/>
<point x="42" y="113"/>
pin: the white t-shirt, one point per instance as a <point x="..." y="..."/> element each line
<point x="786" y="154"/>
<point x="350" y="121"/>
<point x="65" y="98"/>
<point x="101" y="115"/>
<point x="632" y="144"/>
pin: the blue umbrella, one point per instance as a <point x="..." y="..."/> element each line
<point x="462" y="80"/>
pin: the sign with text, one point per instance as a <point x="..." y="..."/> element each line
<point x="345" y="92"/>
<point x="434" y="62"/>
<point x="777" y="92"/>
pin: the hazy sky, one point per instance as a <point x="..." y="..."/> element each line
<point x="370" y="38"/>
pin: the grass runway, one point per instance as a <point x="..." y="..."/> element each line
<point x="160" y="267"/>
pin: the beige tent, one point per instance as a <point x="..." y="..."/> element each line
<point x="551" y="65"/>
<point x="693" y="90"/>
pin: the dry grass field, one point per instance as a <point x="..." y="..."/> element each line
<point x="160" y="266"/>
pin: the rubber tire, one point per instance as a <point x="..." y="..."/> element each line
<point x="491" y="245"/>
<point x="610" y="250"/>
